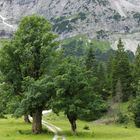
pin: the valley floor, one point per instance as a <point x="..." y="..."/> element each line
<point x="16" y="129"/>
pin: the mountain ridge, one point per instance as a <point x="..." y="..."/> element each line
<point x="99" y="19"/>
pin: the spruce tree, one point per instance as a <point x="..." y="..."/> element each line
<point x="91" y="63"/>
<point x="121" y="71"/>
<point x="91" y="68"/>
<point x="101" y="84"/>
<point x="136" y="84"/>
<point x="136" y="69"/>
<point x="96" y="73"/>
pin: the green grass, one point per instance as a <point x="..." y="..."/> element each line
<point x="15" y="129"/>
<point x="96" y="132"/>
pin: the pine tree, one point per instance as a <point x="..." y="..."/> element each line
<point x="136" y="107"/>
<point x="136" y="76"/>
<point x="136" y="69"/>
<point x="91" y="63"/>
<point x="96" y="73"/>
<point x="109" y="74"/>
<point x="101" y="84"/>
<point x="121" y="71"/>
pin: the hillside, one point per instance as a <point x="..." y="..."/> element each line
<point x="99" y="19"/>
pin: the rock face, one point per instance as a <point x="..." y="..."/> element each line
<point x="101" y="19"/>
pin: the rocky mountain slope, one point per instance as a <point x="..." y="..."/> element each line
<point x="100" y="19"/>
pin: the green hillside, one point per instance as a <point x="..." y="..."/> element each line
<point x="79" y="44"/>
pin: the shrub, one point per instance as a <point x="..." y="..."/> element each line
<point x="122" y="118"/>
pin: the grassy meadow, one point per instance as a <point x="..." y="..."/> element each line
<point x="16" y="129"/>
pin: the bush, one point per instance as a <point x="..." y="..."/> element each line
<point x="122" y="118"/>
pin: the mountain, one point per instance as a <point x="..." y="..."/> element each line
<point x="98" y="19"/>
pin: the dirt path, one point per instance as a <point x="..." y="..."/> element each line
<point x="56" y="130"/>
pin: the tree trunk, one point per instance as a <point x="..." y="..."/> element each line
<point x="37" y="122"/>
<point x="72" y="119"/>
<point x="26" y="119"/>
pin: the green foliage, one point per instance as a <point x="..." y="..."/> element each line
<point x="37" y="95"/>
<point x="78" y="46"/>
<point x="136" y="107"/>
<point x="136" y="69"/>
<point x="26" y="62"/>
<point x="122" y="118"/>
<point x="74" y="47"/>
<point x="136" y="111"/>
<point x="74" y="92"/>
<point x="97" y="71"/>
<point x="121" y="71"/>
<point x="91" y="63"/>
